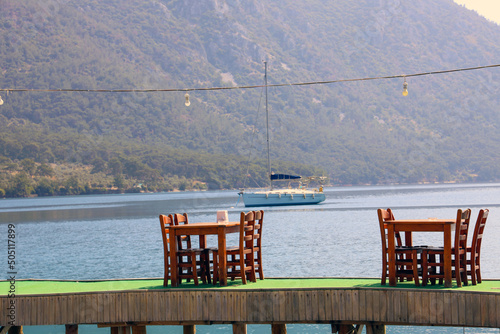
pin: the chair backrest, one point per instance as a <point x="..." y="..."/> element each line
<point x="384" y="215"/>
<point x="398" y="235"/>
<point x="259" y="220"/>
<point x="184" y="241"/>
<point x="478" y="232"/>
<point x="181" y="218"/>
<point x="166" y="222"/>
<point x="247" y="223"/>
<point x="462" y="229"/>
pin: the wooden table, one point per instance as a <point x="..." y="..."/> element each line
<point x="202" y="229"/>
<point x="420" y="225"/>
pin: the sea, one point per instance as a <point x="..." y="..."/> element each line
<point x="118" y="236"/>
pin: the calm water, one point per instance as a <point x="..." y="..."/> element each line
<point x="118" y="236"/>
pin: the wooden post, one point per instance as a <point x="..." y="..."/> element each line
<point x="342" y="328"/>
<point x="240" y="328"/>
<point x="278" y="328"/>
<point x="138" y="329"/>
<point x="347" y="329"/>
<point x="16" y="330"/>
<point x="120" y="330"/>
<point x="189" y="329"/>
<point x="71" y="329"/>
<point x="375" y="329"/>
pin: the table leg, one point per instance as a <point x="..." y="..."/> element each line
<point x="205" y="258"/>
<point x="203" y="241"/>
<point x="174" y="277"/>
<point x="408" y="239"/>
<point x="221" y="235"/>
<point x="391" y="250"/>
<point x="447" y="256"/>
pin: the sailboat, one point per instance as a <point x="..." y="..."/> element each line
<point x="299" y="195"/>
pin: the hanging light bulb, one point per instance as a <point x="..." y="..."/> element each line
<point x="405" y="88"/>
<point x="1" y="101"/>
<point x="187" y="103"/>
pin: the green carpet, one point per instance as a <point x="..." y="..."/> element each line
<point x="30" y="287"/>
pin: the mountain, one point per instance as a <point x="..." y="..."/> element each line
<point x="356" y="132"/>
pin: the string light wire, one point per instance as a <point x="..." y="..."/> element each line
<point x="244" y="87"/>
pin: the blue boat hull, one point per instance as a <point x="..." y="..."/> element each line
<point x="262" y="199"/>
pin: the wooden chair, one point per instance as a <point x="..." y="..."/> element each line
<point x="433" y="261"/>
<point x="473" y="260"/>
<point x="406" y="256"/>
<point x="240" y="259"/>
<point x="257" y="247"/>
<point x="191" y="262"/>
<point x="165" y="223"/>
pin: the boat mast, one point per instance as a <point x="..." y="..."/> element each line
<point x="267" y="129"/>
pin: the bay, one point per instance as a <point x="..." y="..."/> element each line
<point x="118" y="236"/>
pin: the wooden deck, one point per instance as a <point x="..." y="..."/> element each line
<point x="270" y="301"/>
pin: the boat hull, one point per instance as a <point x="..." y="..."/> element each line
<point x="270" y="199"/>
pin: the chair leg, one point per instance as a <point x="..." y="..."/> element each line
<point x="193" y="269"/>
<point x="441" y="269"/>
<point x="430" y="269"/>
<point x="216" y="268"/>
<point x="406" y="267"/>
<point x="463" y="267"/>
<point x="384" y="271"/>
<point x="186" y="271"/>
<point x="458" y="274"/>
<point x="166" y="278"/>
<point x="473" y="275"/>
<point x="477" y="265"/>
<point x="261" y="271"/>
<point x="206" y="255"/>
<point x="242" y="269"/>
<point x="253" y="274"/>
<point x="204" y="269"/>
<point x="415" y="267"/>
<point x="464" y="278"/>
<point x="425" y="268"/>
<point x="203" y="272"/>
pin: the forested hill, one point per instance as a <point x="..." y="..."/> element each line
<point x="355" y="132"/>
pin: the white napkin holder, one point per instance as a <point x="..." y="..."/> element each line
<point x="222" y="216"/>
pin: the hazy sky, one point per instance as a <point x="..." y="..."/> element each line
<point x="487" y="8"/>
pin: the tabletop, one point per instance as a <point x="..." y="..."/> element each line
<point x="422" y="225"/>
<point x="421" y="221"/>
<point x="202" y="228"/>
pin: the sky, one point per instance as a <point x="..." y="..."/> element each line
<point x="487" y="8"/>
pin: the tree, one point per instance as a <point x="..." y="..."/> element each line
<point x="44" y="170"/>
<point x="22" y="186"/>
<point x="46" y="155"/>
<point x="12" y="149"/>
<point x="29" y="166"/>
<point x="72" y="186"/>
<point x="115" y="165"/>
<point x="119" y="181"/>
<point x="11" y="166"/>
<point x="99" y="165"/>
<point x="31" y="150"/>
<point x="45" y="188"/>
